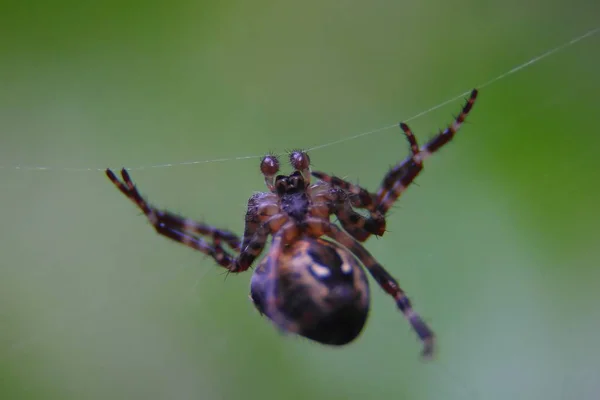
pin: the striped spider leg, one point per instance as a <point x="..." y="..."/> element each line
<point x="262" y="219"/>
<point x="396" y="180"/>
<point x="319" y="227"/>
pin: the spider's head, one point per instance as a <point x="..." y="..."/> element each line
<point x="290" y="184"/>
<point x="287" y="184"/>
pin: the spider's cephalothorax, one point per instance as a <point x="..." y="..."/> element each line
<point x="292" y="192"/>
<point x="311" y="281"/>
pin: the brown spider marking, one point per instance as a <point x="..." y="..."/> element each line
<point x="301" y="284"/>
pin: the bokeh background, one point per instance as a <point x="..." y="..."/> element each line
<point x="498" y="246"/>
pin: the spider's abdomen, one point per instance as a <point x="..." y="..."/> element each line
<point x="321" y="288"/>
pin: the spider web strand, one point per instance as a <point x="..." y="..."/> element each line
<point x="513" y="70"/>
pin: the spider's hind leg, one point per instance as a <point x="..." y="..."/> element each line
<point x="384" y="279"/>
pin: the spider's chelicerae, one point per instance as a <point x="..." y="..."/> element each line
<point x="311" y="282"/>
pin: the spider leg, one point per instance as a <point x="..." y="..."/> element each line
<point x="360" y="198"/>
<point x="403" y="174"/>
<point x="261" y="206"/>
<point x="318" y="227"/>
<point x="337" y="202"/>
<point x="170" y="219"/>
<point x="257" y="242"/>
<point x="396" y="180"/>
<point x="359" y="226"/>
<point x="182" y="230"/>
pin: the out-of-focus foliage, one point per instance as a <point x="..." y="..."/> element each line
<point x="497" y="246"/>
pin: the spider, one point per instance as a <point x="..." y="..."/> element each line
<point x="312" y="281"/>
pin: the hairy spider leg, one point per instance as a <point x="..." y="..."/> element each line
<point x="319" y="227"/>
<point x="171" y="219"/>
<point x="398" y="178"/>
<point x="261" y="206"/>
<point x="175" y="228"/>
<point x="337" y="202"/>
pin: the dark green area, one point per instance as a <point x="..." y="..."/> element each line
<point x="498" y="246"/>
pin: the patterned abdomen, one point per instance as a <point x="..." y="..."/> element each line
<point x="322" y="289"/>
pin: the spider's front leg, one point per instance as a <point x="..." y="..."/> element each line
<point x="188" y="232"/>
<point x="402" y="175"/>
<point x="399" y="177"/>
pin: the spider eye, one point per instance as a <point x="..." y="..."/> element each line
<point x="269" y="165"/>
<point x="299" y="160"/>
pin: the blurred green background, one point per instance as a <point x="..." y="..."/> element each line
<point x="498" y="246"/>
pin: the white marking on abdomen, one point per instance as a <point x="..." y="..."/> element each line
<point x="320" y="270"/>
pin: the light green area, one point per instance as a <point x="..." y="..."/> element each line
<point x="498" y="246"/>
